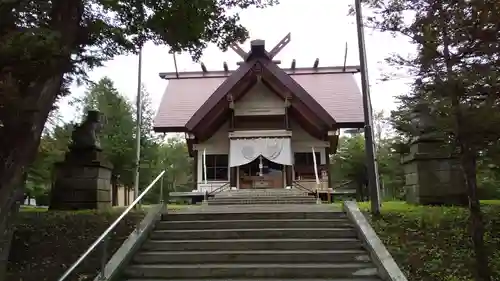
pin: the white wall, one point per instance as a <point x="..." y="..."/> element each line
<point x="303" y="142"/>
<point x="217" y="144"/>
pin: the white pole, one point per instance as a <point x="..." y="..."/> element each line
<point x="315" y="166"/>
<point x="138" y="127"/>
<point x="261" y="166"/>
<point x="205" y="164"/>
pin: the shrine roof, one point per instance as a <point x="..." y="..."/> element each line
<point x="323" y="98"/>
<point x="334" y="88"/>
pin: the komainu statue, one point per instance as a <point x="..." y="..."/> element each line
<point x="424" y="121"/>
<point x="84" y="136"/>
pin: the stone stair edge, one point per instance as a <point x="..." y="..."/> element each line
<point x="253" y="229"/>
<point x="352" y="265"/>
<point x="223" y="252"/>
<point x="257" y="220"/>
<point x="257" y="279"/>
<point x="256" y="240"/>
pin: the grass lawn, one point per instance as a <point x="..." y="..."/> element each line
<point x="433" y="243"/>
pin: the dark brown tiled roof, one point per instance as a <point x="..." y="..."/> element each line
<point x="338" y="93"/>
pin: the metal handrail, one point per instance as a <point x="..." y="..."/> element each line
<point x="219" y="189"/>
<point x="303" y="187"/>
<point x="342" y="184"/>
<point x="104" y="236"/>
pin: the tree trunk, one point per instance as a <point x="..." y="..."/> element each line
<point x="7" y="218"/>
<point x="20" y="136"/>
<point x="468" y="159"/>
<point x="114" y="190"/>
<point x="27" y="96"/>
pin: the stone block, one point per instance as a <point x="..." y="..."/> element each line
<point x="432" y="177"/>
<point x="80" y="186"/>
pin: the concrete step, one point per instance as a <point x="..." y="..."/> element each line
<point x="262" y="196"/>
<point x="261" y="191"/>
<point x="252" y="216"/>
<point x="309" y="270"/>
<point x="258" y="233"/>
<point x="250" y="256"/>
<point x="299" y="200"/>
<point x="253" y="244"/>
<point x="260" y="202"/>
<point x="261" y="279"/>
<point x="245" y="224"/>
<point x="257" y="194"/>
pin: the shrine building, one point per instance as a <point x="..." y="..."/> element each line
<point x="261" y="126"/>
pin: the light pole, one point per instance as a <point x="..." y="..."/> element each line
<point x="373" y="180"/>
<point x="138" y="127"/>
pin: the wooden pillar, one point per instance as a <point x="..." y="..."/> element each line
<point x="328" y="171"/>
<point x="195" y="170"/>
<point x="231" y="121"/>
<point x="233" y="176"/>
<point x="287" y="117"/>
<point x="288" y="175"/>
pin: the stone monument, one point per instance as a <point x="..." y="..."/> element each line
<point x="83" y="179"/>
<point x="433" y="175"/>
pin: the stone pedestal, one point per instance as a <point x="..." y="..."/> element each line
<point x="432" y="177"/>
<point x="82" y="181"/>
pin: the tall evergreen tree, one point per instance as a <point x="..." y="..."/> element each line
<point x="456" y="69"/>
<point x="117" y="132"/>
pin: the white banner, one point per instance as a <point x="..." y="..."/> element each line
<point x="244" y="151"/>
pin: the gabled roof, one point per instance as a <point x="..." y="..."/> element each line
<point x="327" y="98"/>
<point x="301" y="100"/>
<point x="337" y="92"/>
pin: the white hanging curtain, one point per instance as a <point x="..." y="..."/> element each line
<point x="315" y="166"/>
<point x="244" y="151"/>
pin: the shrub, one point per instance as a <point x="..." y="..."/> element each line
<point x="433" y="243"/>
<point x="45" y="243"/>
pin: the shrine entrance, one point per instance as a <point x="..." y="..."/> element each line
<point x="259" y="162"/>
<point x="261" y="173"/>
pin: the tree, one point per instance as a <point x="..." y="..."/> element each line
<point x="150" y="142"/>
<point x="117" y="132"/>
<point x="350" y="163"/>
<point x="173" y="158"/>
<point x="456" y="70"/>
<point x="45" y="45"/>
<point x="53" y="145"/>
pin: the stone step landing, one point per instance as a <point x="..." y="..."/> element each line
<point x="262" y="196"/>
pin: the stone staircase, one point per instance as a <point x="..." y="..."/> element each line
<point x="273" y="242"/>
<point x="262" y="196"/>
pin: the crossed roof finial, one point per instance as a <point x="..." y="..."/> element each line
<point x="274" y="51"/>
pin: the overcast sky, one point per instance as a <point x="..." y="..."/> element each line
<point x="319" y="29"/>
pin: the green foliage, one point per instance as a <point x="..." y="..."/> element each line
<point x="46" y="243"/>
<point x="456" y="76"/>
<point x="88" y="32"/>
<point x="173" y="157"/>
<point x="53" y="145"/>
<point x="433" y="243"/>
<point x="455" y="68"/>
<point x="117" y="132"/>
<point x="349" y="164"/>
<point x="118" y="141"/>
<point x="150" y="142"/>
